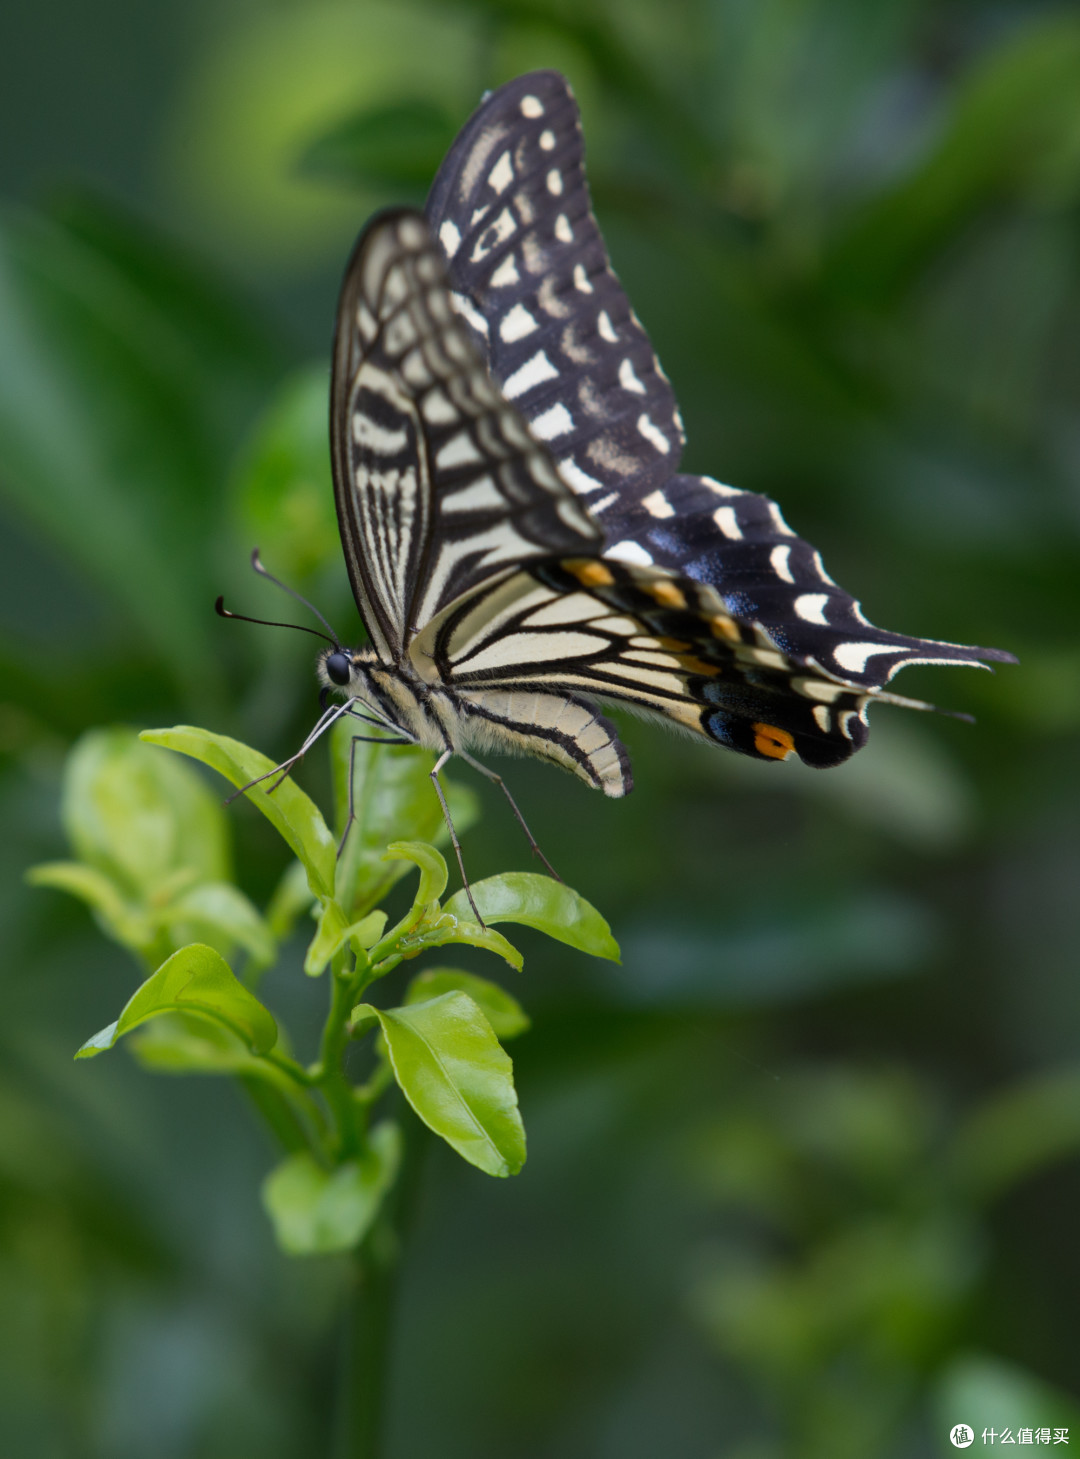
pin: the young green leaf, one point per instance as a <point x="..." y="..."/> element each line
<point x="195" y="980"/>
<point x="543" y="903"/>
<point x="141" y="817"/>
<point x="393" y="800"/>
<point x="440" y="928"/>
<point x="125" y="924"/>
<point x="293" y="814"/>
<point x="505" y="1014"/>
<point x="334" y="932"/>
<point x="315" y="1210"/>
<point x="457" y="1077"/>
<point x="433" y="872"/>
<point x="218" y="913"/>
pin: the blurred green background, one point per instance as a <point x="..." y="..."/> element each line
<point x="802" y="1176"/>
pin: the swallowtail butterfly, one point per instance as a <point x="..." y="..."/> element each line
<point x="519" y="541"/>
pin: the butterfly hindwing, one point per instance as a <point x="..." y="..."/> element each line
<point x="660" y="644"/>
<point x="438" y="482"/>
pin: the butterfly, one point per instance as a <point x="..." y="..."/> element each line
<point x="520" y="544"/>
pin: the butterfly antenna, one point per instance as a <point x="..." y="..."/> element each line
<point x="223" y="612"/>
<point x="256" y="563"/>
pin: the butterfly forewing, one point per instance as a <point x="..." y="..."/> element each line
<point x="438" y="482"/>
<point x="511" y="209"/>
<point x="531" y="277"/>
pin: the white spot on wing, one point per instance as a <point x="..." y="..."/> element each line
<point x="581" y="279"/>
<point x="554" y="422"/>
<point x="630" y="552"/>
<point x="477" y="496"/>
<point x="458" y="451"/>
<point x="657" y="505"/>
<point x="628" y="380"/>
<point x="819" y="568"/>
<point x="778" y="561"/>
<point x="654" y="436"/>
<point x="563" y="232"/>
<point x="532" y="106"/>
<point x="822" y="718"/>
<point x="578" y="480"/>
<point x="375" y="437"/>
<point x="450" y="238"/>
<point x="853" y="656"/>
<point x="778" y="521"/>
<point x="467" y="310"/>
<point x="438" y="410"/>
<point x="728" y="522"/>
<point x="502" y="174"/>
<point x="606" y="328"/>
<point x="506" y="273"/>
<point x="494" y="234"/>
<point x="554" y="182"/>
<point x="810" y="607"/>
<point x="547" y="140"/>
<point x="532" y="373"/>
<point x="719" y="489"/>
<point x="516" y="324"/>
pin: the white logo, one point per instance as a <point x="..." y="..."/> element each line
<point x="961" y="1436"/>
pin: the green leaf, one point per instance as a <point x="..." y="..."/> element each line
<point x="315" y="1211"/>
<point x="141" y="817"/>
<point x="457" y="1077"/>
<point x="433" y="872"/>
<point x="219" y="913"/>
<point x="987" y="1392"/>
<point x="398" y="146"/>
<point x="199" y="981"/>
<point x="121" y="921"/>
<point x="1017" y="1133"/>
<point x="505" y="1014"/>
<point x="543" y="903"/>
<point x="179" y="1043"/>
<point x="123" y="373"/>
<point x="293" y="814"/>
<point x="334" y="931"/>
<point x="394" y="800"/>
<point x="440" y="928"/>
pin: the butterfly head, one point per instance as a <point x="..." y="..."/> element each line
<point x="347" y="669"/>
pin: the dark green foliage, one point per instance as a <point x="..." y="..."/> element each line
<point x="802" y="1170"/>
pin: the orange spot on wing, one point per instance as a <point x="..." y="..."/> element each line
<point x="666" y="593"/>
<point x="776" y="743"/>
<point x="589" y="572"/>
<point x="725" y="627"/>
<point x="694" y="665"/>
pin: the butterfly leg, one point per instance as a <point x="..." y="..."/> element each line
<point x="322" y="725"/>
<point x="454" y="842"/>
<point x="357" y="740"/>
<point x="501" y="783"/>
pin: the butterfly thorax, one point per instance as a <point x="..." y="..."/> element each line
<point x="394" y="696"/>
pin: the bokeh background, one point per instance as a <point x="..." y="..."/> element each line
<point x="802" y="1176"/>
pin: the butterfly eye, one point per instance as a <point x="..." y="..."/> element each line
<point x="338" y="668"/>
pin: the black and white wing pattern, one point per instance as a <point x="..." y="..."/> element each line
<point x="438" y="482"/>
<point x="531" y="277"/>
<point x="495" y="618"/>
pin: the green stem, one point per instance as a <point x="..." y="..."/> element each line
<point x="368" y="1307"/>
<point x="330" y="1075"/>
